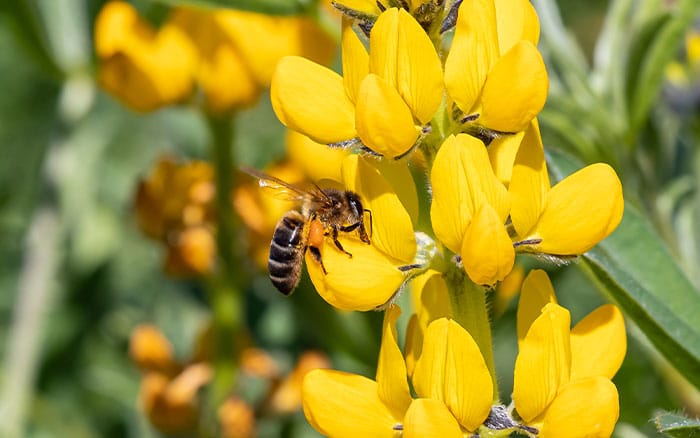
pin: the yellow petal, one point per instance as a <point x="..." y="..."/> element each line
<point x="430" y="301"/>
<point x="430" y="418"/>
<point x="487" y="251"/>
<point x="414" y="343"/>
<point x="384" y="122"/>
<point x="543" y="363"/>
<point x="340" y="404"/>
<point x="392" y="230"/>
<point x="403" y="55"/>
<point x="502" y="151"/>
<point x="586" y="408"/>
<point x="365" y="281"/>
<point x="598" y="344"/>
<point x="451" y="369"/>
<point x="326" y="162"/>
<point x="117" y="23"/>
<point x="517" y="20"/>
<point x="462" y="180"/>
<point x="263" y="39"/>
<point x="580" y="211"/>
<point x="397" y="173"/>
<point x="537" y="292"/>
<point x="355" y="60"/>
<point x="391" y="369"/>
<point x="507" y="289"/>
<point x="473" y="52"/>
<point x="515" y="89"/>
<point x="384" y="47"/>
<point x="311" y="99"/>
<point x="529" y="183"/>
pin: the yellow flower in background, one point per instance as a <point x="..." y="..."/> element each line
<point x="562" y="376"/>
<point x="469" y="209"/>
<point x="383" y="98"/>
<point x="494" y="72"/>
<point x="373" y="274"/>
<point x="143" y="68"/>
<point x="238" y="51"/>
<point x="568" y="218"/>
<point x="229" y="54"/>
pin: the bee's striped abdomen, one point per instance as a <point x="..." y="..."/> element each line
<point x="286" y="252"/>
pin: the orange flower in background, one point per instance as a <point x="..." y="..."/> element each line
<point x="174" y="205"/>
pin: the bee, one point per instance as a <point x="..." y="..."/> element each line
<point x="323" y="213"/>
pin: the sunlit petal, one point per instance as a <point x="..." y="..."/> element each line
<point x="398" y="174"/>
<point x="515" y="89"/>
<point x="487" y="251"/>
<point x="413" y="347"/>
<point x="419" y="70"/>
<point x="580" y="211"/>
<point x="326" y="161"/>
<point x="536" y="292"/>
<point x="586" y="408"/>
<point x="462" y="180"/>
<point x="502" y="152"/>
<point x="355" y="61"/>
<point x="452" y="369"/>
<point x="473" y="52"/>
<point x="517" y="20"/>
<point x="392" y="378"/>
<point x="529" y="184"/>
<point x="339" y="404"/>
<point x="384" y="122"/>
<point x="311" y="99"/>
<point x="392" y="230"/>
<point x="430" y="418"/>
<point x="543" y="363"/>
<point x="598" y="344"/>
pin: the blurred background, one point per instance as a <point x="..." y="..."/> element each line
<point x="78" y="274"/>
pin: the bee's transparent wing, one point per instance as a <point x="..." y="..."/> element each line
<point x="283" y="190"/>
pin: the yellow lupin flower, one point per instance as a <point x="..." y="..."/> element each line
<point x="143" y="68"/>
<point x="562" y="377"/>
<point x="469" y="209"/>
<point x="370" y="277"/>
<point x="451" y="380"/>
<point x="494" y="72"/>
<point x="339" y="404"/>
<point x="569" y="218"/>
<point x="383" y="98"/>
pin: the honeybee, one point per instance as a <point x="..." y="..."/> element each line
<point x="324" y="212"/>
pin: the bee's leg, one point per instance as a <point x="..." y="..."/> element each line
<point x="334" y="235"/>
<point x="360" y="226"/>
<point x="316" y="254"/>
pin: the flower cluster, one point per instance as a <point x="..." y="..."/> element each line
<point x="170" y="388"/>
<point x="456" y="85"/>
<point x="561" y="388"/>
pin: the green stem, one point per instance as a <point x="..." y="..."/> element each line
<point x="225" y="297"/>
<point x="469" y="309"/>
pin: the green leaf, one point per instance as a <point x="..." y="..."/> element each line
<point x="677" y="425"/>
<point x="636" y="269"/>
<point x="658" y="52"/>
<point x="271" y="7"/>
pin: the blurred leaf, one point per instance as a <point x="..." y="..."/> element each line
<point x="271" y="7"/>
<point x="677" y="425"/>
<point x="635" y="268"/>
<point x="647" y="76"/>
<point x="24" y="21"/>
